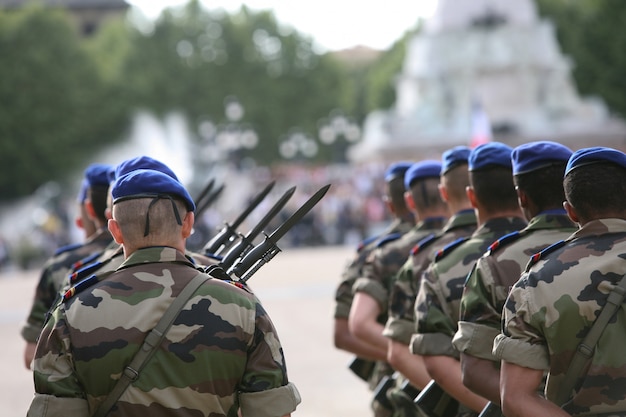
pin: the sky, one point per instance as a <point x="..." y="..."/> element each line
<point x="333" y="24"/>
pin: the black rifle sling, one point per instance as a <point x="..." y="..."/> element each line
<point x="151" y="342"/>
<point x="587" y="346"/>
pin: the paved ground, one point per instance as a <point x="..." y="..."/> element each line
<point x="297" y="289"/>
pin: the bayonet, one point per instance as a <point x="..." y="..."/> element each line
<point x="227" y="236"/>
<point x="210" y="199"/>
<point x="204" y="192"/>
<point x="246" y="242"/>
<point x="268" y="248"/>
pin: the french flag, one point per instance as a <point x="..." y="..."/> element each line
<point x="481" y="127"/>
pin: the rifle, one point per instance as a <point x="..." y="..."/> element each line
<point x="204" y="191"/>
<point x="380" y="392"/>
<point x="433" y="401"/>
<point x="210" y="199"/>
<point x="225" y="237"/>
<point x="266" y="250"/>
<point x="362" y="368"/>
<point x="245" y="243"/>
<point x="491" y="410"/>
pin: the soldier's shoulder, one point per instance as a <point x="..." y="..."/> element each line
<point x="424" y="243"/>
<point x="449" y="248"/>
<point x="366" y="242"/>
<point x="67" y="248"/>
<point x="544" y="252"/>
<point x="385" y="240"/>
<point x="503" y="242"/>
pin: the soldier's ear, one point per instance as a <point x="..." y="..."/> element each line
<point x="571" y="211"/>
<point x="115" y="230"/>
<point x="188" y="222"/>
<point x="471" y="195"/>
<point x="443" y="192"/>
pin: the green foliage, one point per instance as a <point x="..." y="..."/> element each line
<point x="589" y="31"/>
<point x="50" y="114"/>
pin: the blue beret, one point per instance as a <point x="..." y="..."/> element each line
<point x="454" y="157"/>
<point x="143" y="162"/>
<point x="98" y="174"/>
<point x="536" y="155"/>
<point x="489" y="155"/>
<point x="397" y="169"/>
<point x="421" y="170"/>
<point x="147" y="183"/>
<point x="588" y="156"/>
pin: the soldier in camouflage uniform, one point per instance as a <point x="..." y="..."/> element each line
<point x="437" y="304"/>
<point x="403" y="221"/>
<point x="557" y="299"/>
<point x="221" y="356"/>
<point x="371" y="291"/>
<point x="538" y="169"/>
<point x="92" y="205"/>
<point x="401" y="322"/>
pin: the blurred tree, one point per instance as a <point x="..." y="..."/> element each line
<point x="53" y="112"/>
<point x="590" y="32"/>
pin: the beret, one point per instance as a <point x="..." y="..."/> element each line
<point x="490" y="154"/>
<point x="147" y="183"/>
<point x="143" y="162"/>
<point x="598" y="154"/>
<point x="397" y="169"/>
<point x="420" y="170"/>
<point x="536" y="155"/>
<point x="454" y="157"/>
<point x="98" y="174"/>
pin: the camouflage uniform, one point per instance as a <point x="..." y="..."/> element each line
<point x="401" y="322"/>
<point x="221" y="354"/>
<point x="553" y="305"/>
<point x="54" y="277"/>
<point x="495" y="273"/>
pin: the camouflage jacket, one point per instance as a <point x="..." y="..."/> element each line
<point x="401" y="322"/>
<point x="385" y="261"/>
<point x="554" y="304"/>
<point x="222" y="352"/>
<point x="343" y="294"/>
<point x="53" y="277"/>
<point x="439" y="295"/>
<point x="495" y="273"/>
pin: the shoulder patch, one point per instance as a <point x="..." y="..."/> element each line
<point x="503" y="241"/>
<point x="540" y="255"/>
<point x="67" y="248"/>
<point x="82" y="273"/>
<point x="389" y="238"/>
<point x="366" y="242"/>
<point x="425" y="242"/>
<point x="78" y="287"/>
<point x="85" y="261"/>
<point x="443" y="252"/>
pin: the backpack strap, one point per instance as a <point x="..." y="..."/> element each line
<point x="586" y="348"/>
<point x="150" y="343"/>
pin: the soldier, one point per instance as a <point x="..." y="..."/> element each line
<point x="92" y="205"/>
<point x="403" y="221"/>
<point x="371" y="291"/>
<point x="220" y="354"/>
<point x="401" y="322"/>
<point x="558" y="300"/>
<point x="538" y="169"/>
<point x="493" y="197"/>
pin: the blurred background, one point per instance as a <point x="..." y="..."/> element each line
<point x="236" y="95"/>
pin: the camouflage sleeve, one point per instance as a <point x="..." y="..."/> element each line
<point x="434" y="328"/>
<point x="343" y="294"/>
<point x="480" y="320"/>
<point x="521" y="343"/>
<point x="57" y="389"/>
<point x="400" y="324"/>
<point x="371" y="281"/>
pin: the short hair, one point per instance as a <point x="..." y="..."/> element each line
<point x="425" y="193"/>
<point x="544" y="186"/>
<point x="596" y="190"/>
<point x="98" y="195"/>
<point x="456" y="181"/>
<point x="494" y="188"/>
<point x="395" y="191"/>
<point x="132" y="215"/>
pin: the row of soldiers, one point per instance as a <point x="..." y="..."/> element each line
<point x="130" y="322"/>
<point x="498" y="288"/>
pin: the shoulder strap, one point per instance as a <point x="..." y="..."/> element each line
<point x="151" y="342"/>
<point x="587" y="346"/>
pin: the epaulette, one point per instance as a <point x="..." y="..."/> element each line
<point x="366" y="242"/>
<point x="503" y="241"/>
<point x="85" y="261"/>
<point x="78" y="287"/>
<point x="540" y="255"/>
<point x="67" y="248"/>
<point x="443" y="252"/>
<point x="84" y="272"/>
<point x="388" y="238"/>
<point x="422" y="244"/>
